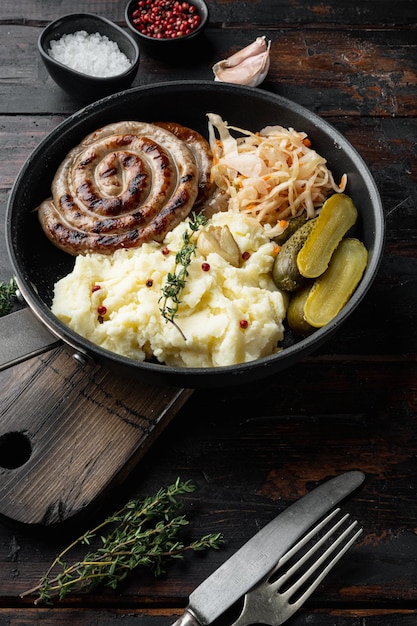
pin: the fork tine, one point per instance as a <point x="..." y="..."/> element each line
<point x="312" y="550"/>
<point x="268" y="602"/>
<point x="297" y="547"/>
<point x="317" y="564"/>
<point x="288" y="555"/>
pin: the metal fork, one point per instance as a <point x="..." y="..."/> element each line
<point x="271" y="602"/>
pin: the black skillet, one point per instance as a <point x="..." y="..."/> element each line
<point x="37" y="264"/>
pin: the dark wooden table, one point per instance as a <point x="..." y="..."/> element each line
<point x="252" y="451"/>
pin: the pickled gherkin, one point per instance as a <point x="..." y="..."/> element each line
<point x="294" y="224"/>
<point x="285" y="272"/>
<point x="295" y="312"/>
<point x="332" y="290"/>
<point x="338" y="214"/>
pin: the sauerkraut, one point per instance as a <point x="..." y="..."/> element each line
<point x="272" y="175"/>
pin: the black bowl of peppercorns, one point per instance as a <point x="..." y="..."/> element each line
<point x="167" y="26"/>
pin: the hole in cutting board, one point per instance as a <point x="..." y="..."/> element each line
<point x="15" y="450"/>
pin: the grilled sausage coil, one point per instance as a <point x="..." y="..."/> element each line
<point x="125" y="184"/>
<point x="202" y="153"/>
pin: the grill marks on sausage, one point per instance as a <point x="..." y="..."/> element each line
<point x="202" y="154"/>
<point x="111" y="171"/>
<point x="123" y="185"/>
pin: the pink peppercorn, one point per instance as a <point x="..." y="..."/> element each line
<point x="205" y="267"/>
<point x="243" y="324"/>
<point x="101" y="310"/>
<point x="95" y="288"/>
<point x="165" y="19"/>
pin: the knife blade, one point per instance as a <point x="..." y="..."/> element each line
<point x="257" y="557"/>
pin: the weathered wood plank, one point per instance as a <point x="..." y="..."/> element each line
<point x="62" y="438"/>
<point x="348" y="72"/>
<point x="251" y="452"/>
<point x="134" y="617"/>
<point x="367" y="13"/>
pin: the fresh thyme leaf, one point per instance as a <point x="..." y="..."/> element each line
<point x="7" y="293"/>
<point x="143" y="533"/>
<point x="176" y="281"/>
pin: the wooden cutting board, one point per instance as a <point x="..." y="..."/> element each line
<point x="70" y="433"/>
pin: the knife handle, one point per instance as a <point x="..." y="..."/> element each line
<point x="187" y="619"/>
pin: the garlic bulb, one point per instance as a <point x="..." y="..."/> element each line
<point x="249" y="66"/>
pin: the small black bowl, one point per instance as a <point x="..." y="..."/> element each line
<point x="165" y="46"/>
<point x="83" y="86"/>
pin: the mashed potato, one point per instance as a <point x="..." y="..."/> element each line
<point x="114" y="301"/>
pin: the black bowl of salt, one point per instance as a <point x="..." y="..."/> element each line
<point x="89" y="56"/>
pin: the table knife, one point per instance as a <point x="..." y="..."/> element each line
<point x="257" y="557"/>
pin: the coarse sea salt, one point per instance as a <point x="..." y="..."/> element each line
<point x="92" y="54"/>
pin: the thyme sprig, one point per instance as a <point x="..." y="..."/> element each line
<point x="7" y="293"/>
<point x="176" y="280"/>
<point x="143" y="533"/>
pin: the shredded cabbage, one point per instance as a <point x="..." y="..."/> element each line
<point x="272" y="175"/>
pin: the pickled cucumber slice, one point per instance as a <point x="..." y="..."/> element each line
<point x="337" y="215"/>
<point x="294" y="224"/>
<point x="285" y="272"/>
<point x="332" y="290"/>
<point x="295" y="312"/>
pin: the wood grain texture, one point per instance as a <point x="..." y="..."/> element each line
<point x="250" y="451"/>
<point x="376" y="13"/>
<point x="69" y="433"/>
<point x="139" y="617"/>
<point x="354" y="72"/>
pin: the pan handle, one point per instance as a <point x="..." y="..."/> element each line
<point x="23" y="336"/>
